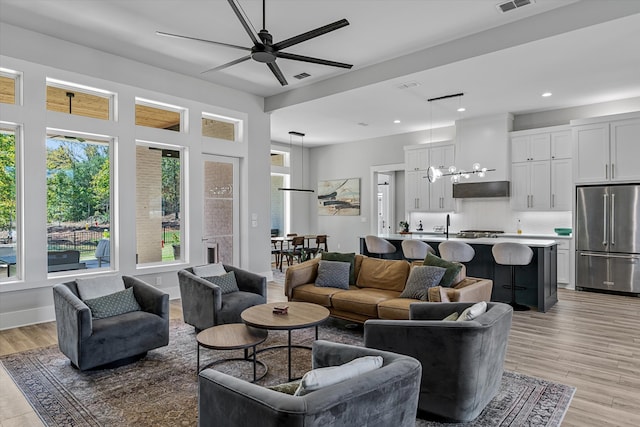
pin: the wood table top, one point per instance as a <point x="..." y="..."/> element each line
<point x="299" y="315"/>
<point x="231" y="336"/>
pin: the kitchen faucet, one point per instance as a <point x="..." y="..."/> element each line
<point x="448" y="224"/>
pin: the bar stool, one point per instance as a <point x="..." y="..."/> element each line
<point x="378" y="246"/>
<point x="456" y="251"/>
<point x="513" y="254"/>
<point x="416" y="249"/>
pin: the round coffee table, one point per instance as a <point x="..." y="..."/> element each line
<point x="232" y="337"/>
<point x="300" y="315"/>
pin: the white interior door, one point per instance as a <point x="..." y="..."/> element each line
<point x="220" y="219"/>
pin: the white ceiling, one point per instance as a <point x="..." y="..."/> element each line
<point x="583" y="51"/>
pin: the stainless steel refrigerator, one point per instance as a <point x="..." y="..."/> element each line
<point x="608" y="238"/>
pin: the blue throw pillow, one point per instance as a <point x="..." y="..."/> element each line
<point x="113" y="304"/>
<point x="333" y="274"/>
<point x="227" y="282"/>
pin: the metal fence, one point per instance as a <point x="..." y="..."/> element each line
<point x="80" y="240"/>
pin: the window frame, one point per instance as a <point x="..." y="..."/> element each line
<point x="89" y="90"/>
<point x="17" y="77"/>
<point x="182" y="111"/>
<point x="18" y="132"/>
<point x="237" y="125"/>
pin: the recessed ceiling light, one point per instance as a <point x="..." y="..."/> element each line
<point x="396" y="121"/>
<point x="461" y="109"/>
<point x="547" y="94"/>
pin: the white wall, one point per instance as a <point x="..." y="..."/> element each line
<point x="29" y="299"/>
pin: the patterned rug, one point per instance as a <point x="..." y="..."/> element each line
<point x="161" y="389"/>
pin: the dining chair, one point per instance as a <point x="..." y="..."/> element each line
<point x="321" y="245"/>
<point x="296" y="251"/>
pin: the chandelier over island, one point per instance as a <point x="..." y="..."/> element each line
<point x="433" y="174"/>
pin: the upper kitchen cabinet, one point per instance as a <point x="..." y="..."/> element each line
<point x="420" y="194"/>
<point x="541" y="177"/>
<point x="531" y="148"/>
<point x="606" y="149"/>
<point x="416" y="158"/>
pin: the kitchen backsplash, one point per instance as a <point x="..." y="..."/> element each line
<point x="493" y="214"/>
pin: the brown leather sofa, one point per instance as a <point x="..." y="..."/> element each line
<point x="375" y="293"/>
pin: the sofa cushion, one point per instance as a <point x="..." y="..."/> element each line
<point x="453" y="268"/>
<point x="361" y="301"/>
<point x="94" y="287"/>
<point x="324" y="377"/>
<point x="226" y="282"/>
<point x="438" y="294"/>
<point x="420" y="280"/>
<point x="113" y="304"/>
<point x="333" y="274"/>
<point x="315" y="294"/>
<point x="343" y="257"/>
<point x="395" y="308"/>
<point x="383" y="274"/>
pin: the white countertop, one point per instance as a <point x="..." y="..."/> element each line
<point x="479" y="241"/>
<point x="550" y="236"/>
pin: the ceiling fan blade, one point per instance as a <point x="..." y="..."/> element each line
<point x="178" y="36"/>
<point x="276" y="72"/>
<point x="310" y="34"/>
<point x="228" y="64"/>
<point x="244" y="21"/>
<point x="295" y="57"/>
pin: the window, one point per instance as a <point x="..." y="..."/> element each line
<point x="158" y="115"/>
<point x="158" y="203"/>
<point x="79" y="100"/>
<point x="219" y="127"/>
<point x="78" y="201"/>
<point x="8" y="202"/>
<point x="9" y="86"/>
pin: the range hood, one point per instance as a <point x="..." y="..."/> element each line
<point x="481" y="189"/>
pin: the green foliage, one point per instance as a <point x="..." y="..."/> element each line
<point x="7" y="180"/>
<point x="78" y="184"/>
<point x="171" y="185"/>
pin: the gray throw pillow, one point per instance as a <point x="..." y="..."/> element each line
<point x="453" y="268"/>
<point x="113" y="304"/>
<point x="227" y="282"/>
<point x="333" y="274"/>
<point x="344" y="257"/>
<point x="422" y="278"/>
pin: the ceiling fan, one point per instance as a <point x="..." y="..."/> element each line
<point x="264" y="50"/>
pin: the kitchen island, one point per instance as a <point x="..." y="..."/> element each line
<point x="539" y="278"/>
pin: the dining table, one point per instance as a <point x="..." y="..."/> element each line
<point x="288" y="239"/>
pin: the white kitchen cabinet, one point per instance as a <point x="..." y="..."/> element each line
<point x="416" y="191"/>
<point x="607" y="151"/>
<point x="561" y="185"/>
<point x="564" y="261"/>
<point x="561" y="147"/>
<point x="420" y="194"/>
<point x="416" y="158"/>
<point x="441" y="191"/>
<point x="531" y="148"/>
<point x="625" y="150"/>
<point x="531" y="186"/>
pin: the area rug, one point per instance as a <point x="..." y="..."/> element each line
<point x="161" y="389"/>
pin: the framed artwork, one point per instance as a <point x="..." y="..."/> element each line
<point x="339" y="197"/>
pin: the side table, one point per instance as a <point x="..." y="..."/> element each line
<point x="232" y="337"/>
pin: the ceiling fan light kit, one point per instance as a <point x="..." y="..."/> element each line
<point x="264" y="50"/>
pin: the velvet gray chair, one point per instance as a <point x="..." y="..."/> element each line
<point x="385" y="397"/>
<point x="204" y="305"/>
<point x="90" y="343"/>
<point x="462" y="362"/>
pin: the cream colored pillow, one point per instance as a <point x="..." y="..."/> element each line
<point x="453" y="316"/>
<point x="472" y="312"/>
<point x="323" y="377"/>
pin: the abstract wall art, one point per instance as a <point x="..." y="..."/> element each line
<point x="339" y="197"/>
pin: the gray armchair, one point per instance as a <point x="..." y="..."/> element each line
<point x="385" y="397"/>
<point x="462" y="362"/>
<point x="89" y="343"/>
<point x="204" y="305"/>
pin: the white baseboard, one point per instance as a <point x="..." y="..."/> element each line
<point x="14" y="319"/>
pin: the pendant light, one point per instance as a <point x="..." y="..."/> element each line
<point x="301" y="189"/>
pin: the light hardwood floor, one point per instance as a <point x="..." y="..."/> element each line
<point x="588" y="340"/>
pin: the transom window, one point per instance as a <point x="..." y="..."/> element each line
<point x="219" y="127"/>
<point x="159" y="115"/>
<point x="79" y="100"/>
